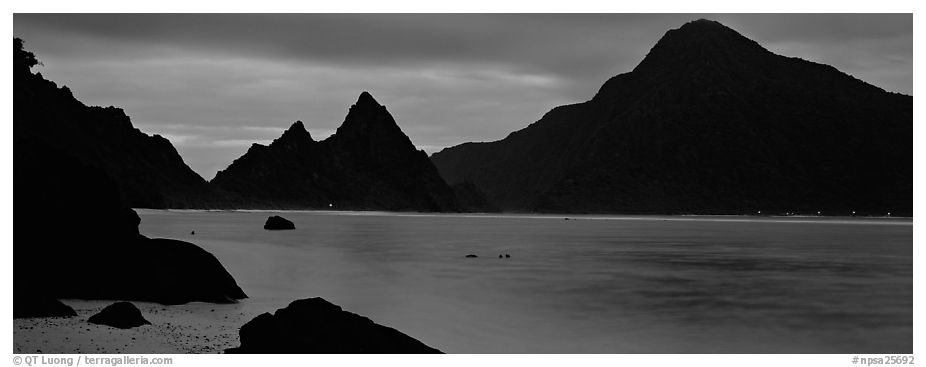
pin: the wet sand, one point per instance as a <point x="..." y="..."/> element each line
<point x="190" y="328"/>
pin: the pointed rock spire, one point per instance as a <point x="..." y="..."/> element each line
<point x="296" y="131"/>
<point x="366" y="99"/>
<point x="368" y="163"/>
<point x="368" y="118"/>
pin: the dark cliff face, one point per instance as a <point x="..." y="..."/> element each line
<point x="708" y="122"/>
<point x="147" y="170"/>
<point x="74" y="236"/>
<point x="369" y="163"/>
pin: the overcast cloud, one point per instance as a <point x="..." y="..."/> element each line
<point x="214" y="84"/>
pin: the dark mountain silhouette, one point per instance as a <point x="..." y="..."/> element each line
<point x="74" y="236"/>
<point x="472" y="199"/>
<point x="147" y="170"/>
<point x="708" y="122"/>
<point x="369" y="163"/>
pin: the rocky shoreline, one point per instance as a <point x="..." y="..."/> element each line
<point x="205" y="328"/>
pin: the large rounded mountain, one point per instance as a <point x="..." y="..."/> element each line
<point x="708" y="122"/>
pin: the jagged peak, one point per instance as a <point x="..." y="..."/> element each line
<point x="22" y="60"/>
<point x="366" y="99"/>
<point x="367" y="119"/>
<point x="295" y="132"/>
<point x="296" y="127"/>
<point x="366" y="111"/>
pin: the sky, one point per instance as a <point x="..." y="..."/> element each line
<point x="213" y="84"/>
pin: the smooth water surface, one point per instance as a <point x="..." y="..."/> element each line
<point x="584" y="285"/>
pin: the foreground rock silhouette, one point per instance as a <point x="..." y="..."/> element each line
<point x="709" y="122"/>
<point x="277" y="222"/>
<point x="315" y="325"/>
<point x="122" y="315"/>
<point x="26" y="307"/>
<point x="70" y="214"/>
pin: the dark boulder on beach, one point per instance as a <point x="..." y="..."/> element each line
<point x="177" y="272"/>
<point x="37" y="306"/>
<point x="123" y="315"/>
<point x="277" y="222"/>
<point x="315" y="325"/>
<point x="113" y="261"/>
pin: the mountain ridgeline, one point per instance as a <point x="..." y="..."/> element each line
<point x="147" y="170"/>
<point x="368" y="164"/>
<point x="710" y="122"/>
<point x="75" y="169"/>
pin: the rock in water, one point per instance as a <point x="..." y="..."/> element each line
<point x="315" y="325"/>
<point x="37" y="306"/>
<point x="278" y="222"/>
<point x="123" y="315"/>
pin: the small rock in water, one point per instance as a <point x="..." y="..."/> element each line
<point x="471" y="255"/>
<point x="192" y="232"/>
<point x="277" y="222"/>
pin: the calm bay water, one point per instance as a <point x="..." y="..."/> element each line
<point x="585" y="285"/>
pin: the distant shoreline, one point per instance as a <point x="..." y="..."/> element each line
<point x="822" y="219"/>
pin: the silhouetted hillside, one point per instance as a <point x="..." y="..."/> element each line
<point x="147" y="170"/>
<point x="472" y="199"/>
<point x="73" y="235"/>
<point x="708" y="122"/>
<point x="369" y="163"/>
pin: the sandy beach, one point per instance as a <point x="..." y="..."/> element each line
<point x="190" y="328"/>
